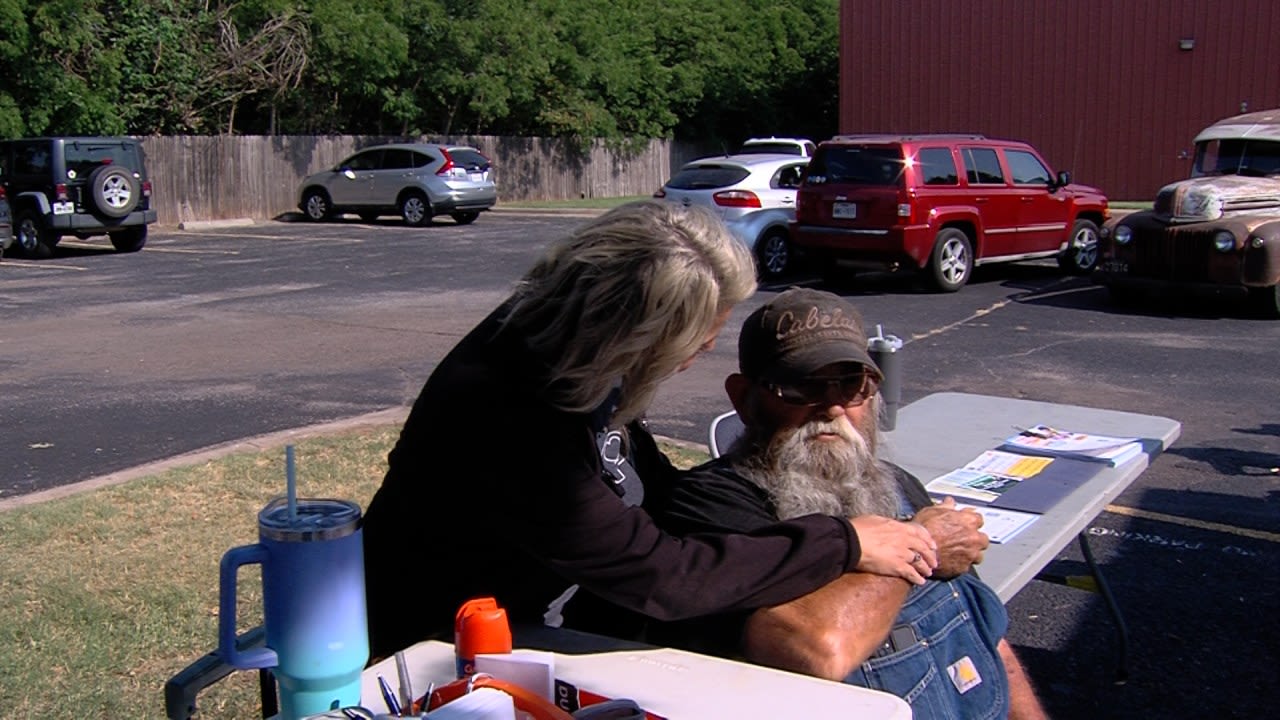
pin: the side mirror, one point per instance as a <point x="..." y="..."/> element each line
<point x="1064" y="178"/>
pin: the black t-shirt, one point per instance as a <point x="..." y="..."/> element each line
<point x="490" y="491"/>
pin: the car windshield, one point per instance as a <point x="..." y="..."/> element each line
<point x="83" y="158"/>
<point x="858" y="165"/>
<point x="1237" y="157"/>
<point x="707" y="177"/>
<point x="771" y="148"/>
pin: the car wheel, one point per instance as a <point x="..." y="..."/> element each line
<point x="1081" y="255"/>
<point x="315" y="205"/>
<point x="130" y="239"/>
<point x="773" y="251"/>
<point x="952" y="260"/>
<point x="33" y="239"/>
<point x="1267" y="301"/>
<point x="415" y="209"/>
<point x="465" y="217"/>
<point x="114" y="191"/>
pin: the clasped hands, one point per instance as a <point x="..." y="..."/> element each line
<point x="941" y="541"/>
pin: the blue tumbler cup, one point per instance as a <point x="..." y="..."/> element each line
<point x="317" y="636"/>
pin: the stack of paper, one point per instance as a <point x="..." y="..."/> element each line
<point x="479" y="704"/>
<point x="1045" y="440"/>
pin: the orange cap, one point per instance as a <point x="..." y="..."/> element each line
<point x="479" y="627"/>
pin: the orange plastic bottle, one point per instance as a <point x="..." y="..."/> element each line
<point x="479" y="627"/>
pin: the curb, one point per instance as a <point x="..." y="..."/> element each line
<point x="389" y="416"/>
<point x="279" y="438"/>
<point x="215" y="224"/>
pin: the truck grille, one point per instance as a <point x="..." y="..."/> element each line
<point x="1172" y="254"/>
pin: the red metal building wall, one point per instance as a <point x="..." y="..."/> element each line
<point x="1100" y="87"/>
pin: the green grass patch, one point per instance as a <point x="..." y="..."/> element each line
<point x="109" y="593"/>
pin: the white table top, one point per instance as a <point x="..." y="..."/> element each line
<point x="675" y="684"/>
<point x="943" y="431"/>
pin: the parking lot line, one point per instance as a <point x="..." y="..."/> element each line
<point x="38" y="266"/>
<point x="192" y="252"/>
<point x="1198" y="524"/>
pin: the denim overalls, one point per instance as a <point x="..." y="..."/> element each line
<point x="924" y="660"/>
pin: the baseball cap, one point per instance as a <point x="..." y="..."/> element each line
<point x="800" y="331"/>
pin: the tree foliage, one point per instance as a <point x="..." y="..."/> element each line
<point x="715" y="72"/>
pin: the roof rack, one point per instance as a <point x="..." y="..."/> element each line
<point x="911" y="136"/>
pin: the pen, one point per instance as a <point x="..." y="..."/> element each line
<point x="393" y="705"/>
<point x="1033" y="433"/>
<point x="406" y="689"/>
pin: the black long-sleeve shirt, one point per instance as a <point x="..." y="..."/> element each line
<point x="492" y="492"/>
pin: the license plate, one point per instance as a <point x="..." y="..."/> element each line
<point x="1115" y="266"/>
<point x="844" y="210"/>
<point x="63" y="208"/>
<point x="477" y="177"/>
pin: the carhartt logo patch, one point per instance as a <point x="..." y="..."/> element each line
<point x="964" y="675"/>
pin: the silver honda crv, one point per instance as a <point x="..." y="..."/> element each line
<point x="415" y="180"/>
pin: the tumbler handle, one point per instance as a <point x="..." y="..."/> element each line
<point x="251" y="658"/>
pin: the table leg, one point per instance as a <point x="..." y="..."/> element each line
<point x="1122" y="630"/>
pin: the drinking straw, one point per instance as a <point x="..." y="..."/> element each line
<point x="291" y="481"/>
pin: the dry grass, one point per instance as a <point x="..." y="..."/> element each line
<point x="107" y="594"/>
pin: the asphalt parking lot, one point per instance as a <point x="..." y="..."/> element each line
<point x="205" y="338"/>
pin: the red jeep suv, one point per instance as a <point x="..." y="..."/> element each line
<point x="942" y="204"/>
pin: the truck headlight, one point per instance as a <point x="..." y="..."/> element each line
<point x="1224" y="241"/>
<point x="1124" y="235"/>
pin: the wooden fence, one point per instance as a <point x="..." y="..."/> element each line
<point x="225" y="177"/>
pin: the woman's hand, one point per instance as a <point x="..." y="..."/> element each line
<point x="894" y="548"/>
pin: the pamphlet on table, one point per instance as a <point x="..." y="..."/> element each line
<point x="1045" y="440"/>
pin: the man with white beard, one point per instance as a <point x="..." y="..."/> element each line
<point x="806" y="393"/>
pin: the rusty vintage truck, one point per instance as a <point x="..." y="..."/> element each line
<point x="1217" y="232"/>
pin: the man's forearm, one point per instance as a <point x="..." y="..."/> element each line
<point x="828" y="632"/>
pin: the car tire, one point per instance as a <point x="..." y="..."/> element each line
<point x="316" y="206"/>
<point x="773" y="253"/>
<point x="951" y="262"/>
<point x="415" y="209"/>
<point x="1266" y="301"/>
<point x="33" y="239"/>
<point x="130" y="239"/>
<point x="1081" y="255"/>
<point x="465" y="217"/>
<point x="113" y="191"/>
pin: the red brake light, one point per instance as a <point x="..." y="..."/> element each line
<point x="146" y="188"/>
<point x="1" y="192"/>
<point x="737" y="199"/>
<point x="447" y="167"/>
<point x="60" y="192"/>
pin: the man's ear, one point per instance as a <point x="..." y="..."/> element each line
<point x="738" y="387"/>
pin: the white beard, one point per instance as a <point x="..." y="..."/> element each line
<point x="804" y="475"/>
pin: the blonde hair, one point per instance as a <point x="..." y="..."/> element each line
<point x="626" y="299"/>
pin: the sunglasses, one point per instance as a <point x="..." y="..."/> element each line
<point x="849" y="391"/>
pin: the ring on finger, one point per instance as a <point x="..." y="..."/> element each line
<point x="915" y="558"/>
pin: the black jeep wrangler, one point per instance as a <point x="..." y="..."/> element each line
<point x="79" y="186"/>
